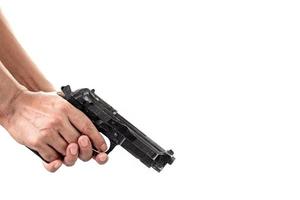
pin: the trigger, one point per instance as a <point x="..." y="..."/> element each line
<point x="111" y="147"/>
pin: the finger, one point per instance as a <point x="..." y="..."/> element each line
<point x="71" y="154"/>
<point x="57" y="142"/>
<point x="101" y="158"/>
<point x="69" y="133"/>
<point x="85" y="148"/>
<point x="86" y="127"/>
<point x="53" y="166"/>
<point x="48" y="153"/>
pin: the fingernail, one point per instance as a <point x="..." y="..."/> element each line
<point x="73" y="150"/>
<point x="103" y="157"/>
<point x="84" y="142"/>
<point x="103" y="147"/>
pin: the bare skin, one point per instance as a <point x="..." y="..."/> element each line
<point x="35" y="116"/>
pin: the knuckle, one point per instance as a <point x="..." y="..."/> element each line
<point x="35" y="142"/>
<point x="73" y="139"/>
<point x="56" y="120"/>
<point x="87" y="127"/>
<point x="44" y="135"/>
<point x="63" y="106"/>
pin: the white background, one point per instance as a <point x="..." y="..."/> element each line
<point x="216" y="81"/>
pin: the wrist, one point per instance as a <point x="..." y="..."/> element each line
<point x="7" y="107"/>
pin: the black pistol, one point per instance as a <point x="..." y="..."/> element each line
<point x="117" y="129"/>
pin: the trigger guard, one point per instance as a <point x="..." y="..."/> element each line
<point x="111" y="147"/>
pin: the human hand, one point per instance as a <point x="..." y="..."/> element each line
<point x="54" y="128"/>
<point x="84" y="152"/>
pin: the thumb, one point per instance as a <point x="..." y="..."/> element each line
<point x="53" y="166"/>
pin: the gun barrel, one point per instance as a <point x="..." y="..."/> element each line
<point x="145" y="149"/>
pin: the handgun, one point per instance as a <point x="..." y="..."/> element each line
<point x="117" y="129"/>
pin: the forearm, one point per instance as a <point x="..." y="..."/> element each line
<point x="9" y="90"/>
<point x="18" y="63"/>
